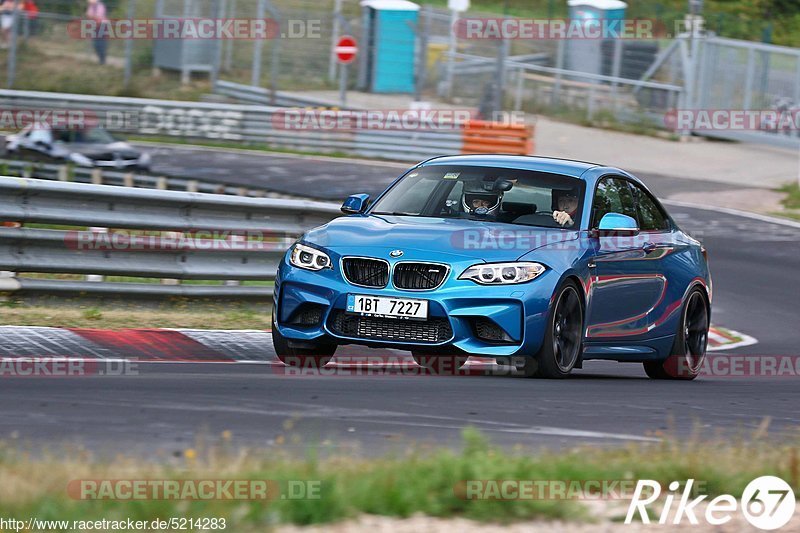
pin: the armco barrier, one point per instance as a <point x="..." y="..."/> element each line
<point x="259" y="95"/>
<point x="236" y="123"/>
<point x="482" y="137"/>
<point x="72" y="173"/>
<point x="227" y="221"/>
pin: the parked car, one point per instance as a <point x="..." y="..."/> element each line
<point x="539" y="263"/>
<point x="87" y="147"/>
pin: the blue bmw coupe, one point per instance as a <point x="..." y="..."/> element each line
<point x="538" y="263"/>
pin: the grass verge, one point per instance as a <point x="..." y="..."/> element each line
<point x="791" y="202"/>
<point x="421" y="481"/>
<point x="189" y="314"/>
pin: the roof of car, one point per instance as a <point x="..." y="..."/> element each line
<point x="566" y="167"/>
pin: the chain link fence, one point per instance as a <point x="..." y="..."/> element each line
<point x="625" y="80"/>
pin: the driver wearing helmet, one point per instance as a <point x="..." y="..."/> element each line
<point x="481" y="199"/>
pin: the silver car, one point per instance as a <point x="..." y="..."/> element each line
<point x="88" y="147"/>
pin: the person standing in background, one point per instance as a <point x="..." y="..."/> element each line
<point x="31" y="17"/>
<point x="97" y="12"/>
<point x="6" y="21"/>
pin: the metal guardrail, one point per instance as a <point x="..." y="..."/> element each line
<point x="193" y="236"/>
<point x="235" y="122"/>
<point x="72" y="173"/>
<point x="261" y="96"/>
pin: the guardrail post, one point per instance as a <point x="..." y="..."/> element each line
<point x="128" y="180"/>
<point x="161" y="183"/>
<point x="171" y="235"/>
<point x="97" y="176"/>
<point x="63" y="173"/>
<point x="560" y="51"/>
<point x="7" y="274"/>
<point x="236" y="238"/>
<point x="96" y="277"/>
<point x="518" y="91"/>
<point x="191" y="186"/>
<point x="615" y="71"/>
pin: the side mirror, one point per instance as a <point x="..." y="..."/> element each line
<point x="617" y="225"/>
<point x="355" y="204"/>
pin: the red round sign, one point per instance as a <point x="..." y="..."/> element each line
<point x="346" y="49"/>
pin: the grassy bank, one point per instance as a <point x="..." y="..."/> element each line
<point x="422" y="481"/>
<point x="791" y="202"/>
<point x="175" y="313"/>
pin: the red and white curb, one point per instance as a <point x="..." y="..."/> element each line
<point x="727" y="339"/>
<point x="211" y="346"/>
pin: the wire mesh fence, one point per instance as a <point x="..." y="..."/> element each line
<point x="629" y="80"/>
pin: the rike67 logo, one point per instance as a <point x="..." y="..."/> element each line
<point x="768" y="503"/>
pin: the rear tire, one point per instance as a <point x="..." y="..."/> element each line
<point x="316" y="357"/>
<point x="563" y="340"/>
<point x="691" y="341"/>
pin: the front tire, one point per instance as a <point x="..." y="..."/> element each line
<point x="689" y="348"/>
<point x="563" y="339"/>
<point x="315" y="357"/>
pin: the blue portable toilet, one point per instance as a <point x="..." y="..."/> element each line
<point x="585" y="55"/>
<point x="389" y="44"/>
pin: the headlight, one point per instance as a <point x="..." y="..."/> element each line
<point x="502" y="273"/>
<point x="309" y="258"/>
<point x="144" y="159"/>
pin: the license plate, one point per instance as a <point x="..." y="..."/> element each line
<point x="363" y="304"/>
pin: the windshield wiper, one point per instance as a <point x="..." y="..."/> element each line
<point x="396" y="213"/>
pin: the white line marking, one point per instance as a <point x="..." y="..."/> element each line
<point x="735" y="212"/>
<point x="266" y="153"/>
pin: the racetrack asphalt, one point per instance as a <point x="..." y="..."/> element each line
<point x="163" y="407"/>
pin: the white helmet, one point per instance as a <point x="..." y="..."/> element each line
<point x="481" y="198"/>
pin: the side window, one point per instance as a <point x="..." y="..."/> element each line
<point x="40" y="135"/>
<point x="613" y="195"/>
<point x="651" y="217"/>
<point x="62" y="136"/>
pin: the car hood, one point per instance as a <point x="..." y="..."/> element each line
<point x="432" y="238"/>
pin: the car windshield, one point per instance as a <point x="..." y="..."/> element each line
<point x="89" y="135"/>
<point x="512" y="196"/>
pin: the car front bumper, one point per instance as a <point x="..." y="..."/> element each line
<point x="310" y="307"/>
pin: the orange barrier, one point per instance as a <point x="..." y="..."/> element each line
<point x="485" y="137"/>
